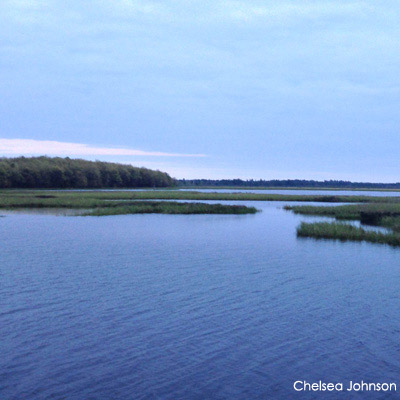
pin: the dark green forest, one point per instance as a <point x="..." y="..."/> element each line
<point x="57" y="172"/>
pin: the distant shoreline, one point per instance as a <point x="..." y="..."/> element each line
<point x="183" y="188"/>
<point x="287" y="188"/>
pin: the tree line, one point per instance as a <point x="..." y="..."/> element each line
<point x="57" y="172"/>
<point x="277" y="183"/>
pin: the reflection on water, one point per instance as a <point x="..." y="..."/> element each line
<point x="190" y="307"/>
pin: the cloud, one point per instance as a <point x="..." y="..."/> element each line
<point x="249" y="10"/>
<point x="48" y="147"/>
<point x="116" y="13"/>
<point x="139" y="6"/>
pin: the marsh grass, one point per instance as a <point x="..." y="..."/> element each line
<point x="162" y="207"/>
<point x="392" y="223"/>
<point x="37" y="198"/>
<point x="344" y="232"/>
<point x="380" y="211"/>
<point x="351" y="211"/>
<point x="99" y="203"/>
<point x="385" y="215"/>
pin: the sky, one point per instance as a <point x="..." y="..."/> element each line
<point x="206" y="89"/>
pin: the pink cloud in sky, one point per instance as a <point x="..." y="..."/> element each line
<point x="54" y="148"/>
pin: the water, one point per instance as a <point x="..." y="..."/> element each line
<point x="191" y="307"/>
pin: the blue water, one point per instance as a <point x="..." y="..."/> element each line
<point x="191" y="307"/>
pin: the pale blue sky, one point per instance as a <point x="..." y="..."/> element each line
<point x="222" y="89"/>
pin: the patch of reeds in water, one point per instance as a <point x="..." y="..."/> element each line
<point x="344" y="232"/>
<point x="163" y="207"/>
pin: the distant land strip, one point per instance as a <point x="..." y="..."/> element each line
<point x="67" y="173"/>
<point x="285" y="184"/>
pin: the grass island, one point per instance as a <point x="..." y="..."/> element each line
<point x="382" y="211"/>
